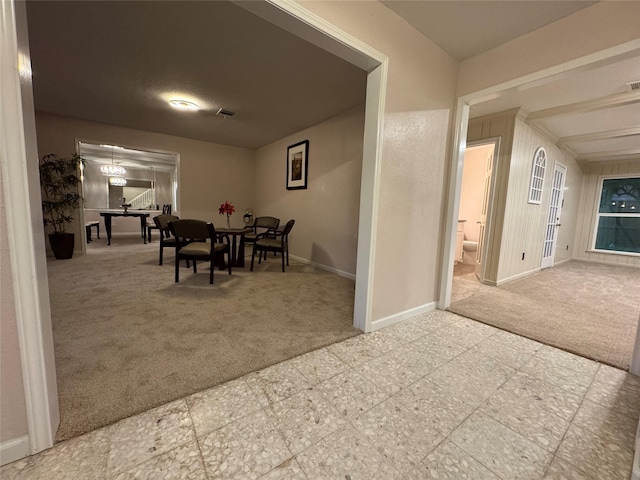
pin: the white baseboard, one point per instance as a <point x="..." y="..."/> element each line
<point x="14" y="449"/>
<point x="401" y="316"/>
<point x="516" y="277"/>
<point x="635" y="474"/>
<point x="555" y="264"/>
<point x="340" y="273"/>
<point x="591" y="260"/>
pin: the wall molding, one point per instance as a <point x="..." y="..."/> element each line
<point x="14" y="449"/>
<point x="402" y="316"/>
<point x="615" y="100"/>
<point x="555" y="264"/>
<point x="516" y="277"/>
<point x="591" y="260"/>
<point x="340" y="273"/>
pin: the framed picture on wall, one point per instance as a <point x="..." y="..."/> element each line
<point x="297" y="162"/>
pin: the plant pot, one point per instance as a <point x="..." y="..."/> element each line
<point x="62" y="245"/>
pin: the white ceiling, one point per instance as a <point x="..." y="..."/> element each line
<point x="466" y="28"/>
<point x="119" y="63"/>
<point x="591" y="113"/>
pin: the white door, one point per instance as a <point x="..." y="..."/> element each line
<point x="553" y="217"/>
<point x="482" y="223"/>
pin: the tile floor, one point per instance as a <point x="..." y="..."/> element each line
<point x="436" y="397"/>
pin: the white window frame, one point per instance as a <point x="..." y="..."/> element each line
<point x="597" y="215"/>
<point x="538" y="172"/>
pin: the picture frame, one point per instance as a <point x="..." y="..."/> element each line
<point x="297" y="165"/>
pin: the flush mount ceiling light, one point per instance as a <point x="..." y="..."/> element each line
<point x="112" y="170"/>
<point x="117" y="181"/>
<point x="183" y="104"/>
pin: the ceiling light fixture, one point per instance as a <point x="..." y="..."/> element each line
<point x="183" y="105"/>
<point x="117" y="181"/>
<point x="112" y="170"/>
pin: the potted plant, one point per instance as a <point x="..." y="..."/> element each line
<point x="60" y="200"/>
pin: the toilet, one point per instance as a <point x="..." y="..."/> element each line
<point x="469" y="250"/>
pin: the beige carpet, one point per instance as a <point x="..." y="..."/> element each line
<point x="127" y="338"/>
<point x="581" y="307"/>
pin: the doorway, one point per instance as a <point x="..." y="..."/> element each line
<point x="33" y="322"/>
<point x="553" y="216"/>
<point x="474" y="214"/>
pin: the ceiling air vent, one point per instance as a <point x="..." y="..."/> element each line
<point x="633" y="86"/>
<point x="229" y="113"/>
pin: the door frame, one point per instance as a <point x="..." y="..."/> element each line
<point x="22" y="194"/>
<point x="26" y="239"/>
<point x="556" y="165"/>
<point x="461" y="125"/>
<point x="483" y="249"/>
<point x="296" y="19"/>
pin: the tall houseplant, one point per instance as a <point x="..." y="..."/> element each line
<point x="60" y="200"/>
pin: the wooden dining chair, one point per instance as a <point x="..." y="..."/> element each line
<point x="261" y="225"/>
<point x="166" y="238"/>
<point x="198" y="240"/>
<point x="280" y="244"/>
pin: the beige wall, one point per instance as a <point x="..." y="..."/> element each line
<point x="588" y="202"/>
<point x="600" y="26"/>
<point x="13" y="415"/>
<point x="418" y="109"/>
<point x="209" y="173"/>
<point x="525" y="223"/>
<point x="326" y="213"/>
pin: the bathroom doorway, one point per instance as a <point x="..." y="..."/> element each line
<point x="474" y="214"/>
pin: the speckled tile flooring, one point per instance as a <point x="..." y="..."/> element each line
<point x="435" y="397"/>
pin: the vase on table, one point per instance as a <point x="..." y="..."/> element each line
<point x="228" y="223"/>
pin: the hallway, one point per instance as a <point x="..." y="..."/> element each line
<point x="437" y="396"/>
<point x="586" y="308"/>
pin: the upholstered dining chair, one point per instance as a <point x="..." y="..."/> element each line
<point x="166" y="210"/>
<point x="279" y="244"/>
<point x="166" y="239"/>
<point x="260" y="226"/>
<point x="198" y="240"/>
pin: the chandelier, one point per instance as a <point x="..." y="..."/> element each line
<point x="112" y="170"/>
<point x="117" y="181"/>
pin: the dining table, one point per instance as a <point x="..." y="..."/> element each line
<point x="237" y="243"/>
<point x="108" y="216"/>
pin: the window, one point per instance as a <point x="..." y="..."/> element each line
<point x="618" y="215"/>
<point x="537" y="176"/>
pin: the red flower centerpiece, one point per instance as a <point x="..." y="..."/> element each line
<point x="227" y="209"/>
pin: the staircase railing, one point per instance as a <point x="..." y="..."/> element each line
<point x="142" y="201"/>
